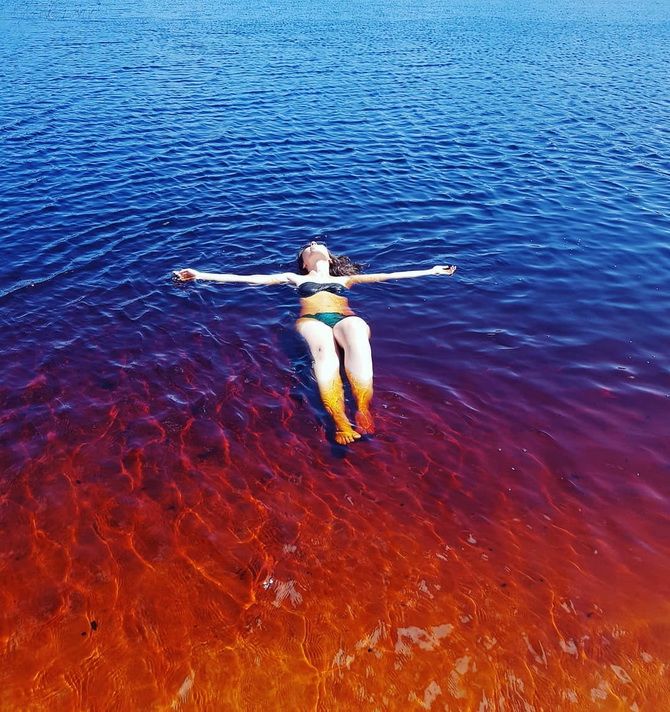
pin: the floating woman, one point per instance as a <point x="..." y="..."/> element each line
<point x="326" y="321"/>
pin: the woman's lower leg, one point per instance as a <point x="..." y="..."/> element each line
<point x="358" y="366"/>
<point x="362" y="392"/>
<point x="327" y="373"/>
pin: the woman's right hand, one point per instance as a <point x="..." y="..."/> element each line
<point x="186" y="275"/>
<point x="444" y="269"/>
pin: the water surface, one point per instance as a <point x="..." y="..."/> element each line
<point x="178" y="530"/>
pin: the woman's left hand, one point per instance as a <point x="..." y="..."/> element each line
<point x="444" y="269"/>
<point x="186" y="275"/>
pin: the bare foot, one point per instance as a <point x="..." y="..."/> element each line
<point x="346" y="436"/>
<point x="364" y="422"/>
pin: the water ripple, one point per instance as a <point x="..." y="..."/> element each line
<point x="177" y="529"/>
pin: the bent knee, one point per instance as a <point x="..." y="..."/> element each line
<point x="354" y="327"/>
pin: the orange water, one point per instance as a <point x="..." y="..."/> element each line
<point x="178" y="530"/>
<point x="195" y="561"/>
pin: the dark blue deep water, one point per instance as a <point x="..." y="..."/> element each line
<point x="526" y="142"/>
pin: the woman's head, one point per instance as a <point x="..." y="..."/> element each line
<point x="338" y="266"/>
<point x="310" y="254"/>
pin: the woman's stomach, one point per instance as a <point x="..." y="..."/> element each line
<point x="325" y="302"/>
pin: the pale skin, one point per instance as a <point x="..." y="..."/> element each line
<point x="352" y="334"/>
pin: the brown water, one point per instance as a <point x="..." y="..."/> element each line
<point x="177" y="528"/>
<point x="150" y="561"/>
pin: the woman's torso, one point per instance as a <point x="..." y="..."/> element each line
<point x="318" y="296"/>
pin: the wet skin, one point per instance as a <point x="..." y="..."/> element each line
<point x="352" y="336"/>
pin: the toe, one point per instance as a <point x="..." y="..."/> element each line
<point x="346" y="437"/>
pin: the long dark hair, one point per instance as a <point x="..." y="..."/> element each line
<point x="339" y="265"/>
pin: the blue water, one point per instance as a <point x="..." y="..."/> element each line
<point x="528" y="143"/>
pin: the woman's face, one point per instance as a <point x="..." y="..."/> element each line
<point x="314" y="252"/>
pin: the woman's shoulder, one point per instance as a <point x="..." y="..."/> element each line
<point x="293" y="278"/>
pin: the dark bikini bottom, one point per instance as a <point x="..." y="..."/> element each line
<point x="327" y="318"/>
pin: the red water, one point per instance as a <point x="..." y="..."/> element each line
<point x="190" y="539"/>
<point x="178" y="530"/>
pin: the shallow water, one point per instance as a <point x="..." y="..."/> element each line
<point x="178" y="530"/>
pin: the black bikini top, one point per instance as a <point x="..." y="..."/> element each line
<point x="309" y="289"/>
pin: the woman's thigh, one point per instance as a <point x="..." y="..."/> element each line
<point x="319" y="337"/>
<point x="351" y="332"/>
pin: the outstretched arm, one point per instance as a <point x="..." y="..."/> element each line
<point x="186" y="275"/>
<point x="384" y="276"/>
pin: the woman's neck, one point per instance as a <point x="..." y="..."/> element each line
<point x="321" y="269"/>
